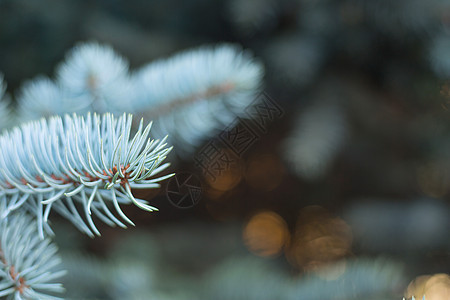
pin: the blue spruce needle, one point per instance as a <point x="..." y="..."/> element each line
<point x="70" y="162"/>
<point x="29" y="265"/>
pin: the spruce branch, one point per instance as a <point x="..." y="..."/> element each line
<point x="196" y="92"/>
<point x="189" y="96"/>
<point x="29" y="265"/>
<point x="79" y="160"/>
<point x="96" y="72"/>
<point x="42" y="97"/>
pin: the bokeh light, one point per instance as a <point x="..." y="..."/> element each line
<point x="433" y="287"/>
<point x="319" y="239"/>
<point x="266" y="234"/>
<point x="224" y="174"/>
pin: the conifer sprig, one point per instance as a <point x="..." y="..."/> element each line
<point x="190" y="95"/>
<point x="79" y="160"/>
<point x="196" y="92"/>
<point x="28" y="265"/>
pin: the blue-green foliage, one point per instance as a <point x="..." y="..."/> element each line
<point x="196" y="92"/>
<point x="29" y="265"/>
<point x="96" y="73"/>
<point x="41" y="97"/>
<point x="86" y="166"/>
<point x="92" y="161"/>
<point x="188" y="96"/>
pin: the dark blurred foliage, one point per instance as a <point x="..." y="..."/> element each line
<point x="358" y="166"/>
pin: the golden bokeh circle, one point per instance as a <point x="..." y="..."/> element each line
<point x="266" y="234"/>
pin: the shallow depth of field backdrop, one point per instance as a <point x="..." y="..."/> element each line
<point x="344" y="191"/>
